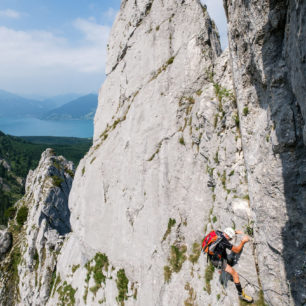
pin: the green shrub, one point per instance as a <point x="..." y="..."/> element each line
<point x="249" y="229"/>
<point x="57" y="165"/>
<point x="70" y="172"/>
<point x="170" y="60"/>
<point x="10" y="213"/>
<point x="22" y="215"/>
<point x="182" y="141"/>
<point x="245" y="111"/>
<point x="214" y="219"/>
<point x="237" y="120"/>
<point x="57" y="181"/>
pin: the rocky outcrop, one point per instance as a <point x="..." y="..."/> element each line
<point x="41" y="221"/>
<point x="5" y="242"/>
<point x="267" y="47"/>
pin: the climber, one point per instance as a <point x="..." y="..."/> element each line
<point x="218" y="256"/>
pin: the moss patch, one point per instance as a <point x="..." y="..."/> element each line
<point x="209" y="273"/>
<point x="57" y="181"/>
<point x="176" y="259"/>
<point x="171" y="223"/>
<point x="74" y="268"/>
<point x="196" y="252"/>
<point x="190" y="301"/>
<point x="167" y="274"/>
<point x="66" y="294"/>
<point x="95" y="268"/>
<point x="122" y="285"/>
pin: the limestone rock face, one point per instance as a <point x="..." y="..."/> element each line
<point x="267" y="47"/>
<point x="187" y="139"/>
<point x="5" y="242"/>
<point x="41" y="223"/>
<point x="166" y="167"/>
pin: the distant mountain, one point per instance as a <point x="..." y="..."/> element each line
<point x="58" y="101"/>
<point x="83" y="108"/>
<point x="12" y="105"/>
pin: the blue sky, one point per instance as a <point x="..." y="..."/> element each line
<point x="51" y="47"/>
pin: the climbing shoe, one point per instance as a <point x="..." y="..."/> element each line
<point x="245" y="297"/>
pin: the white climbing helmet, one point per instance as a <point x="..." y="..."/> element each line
<point x="230" y="232"/>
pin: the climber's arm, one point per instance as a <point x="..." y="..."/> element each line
<point x="237" y="248"/>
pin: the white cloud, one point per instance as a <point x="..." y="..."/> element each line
<point x="92" y="31"/>
<point x="110" y="14"/>
<point x="10" y="14"/>
<point x="41" y="56"/>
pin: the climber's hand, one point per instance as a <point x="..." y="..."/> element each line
<point x="245" y="239"/>
<point x="239" y="232"/>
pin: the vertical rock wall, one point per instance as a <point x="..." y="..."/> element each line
<point x="267" y="47"/>
<point x="166" y="167"/>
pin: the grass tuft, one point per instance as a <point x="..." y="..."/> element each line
<point x="122" y="285"/>
<point x="196" y="252"/>
<point x="171" y="223"/>
<point x="245" y="111"/>
<point x="182" y="141"/>
<point x="209" y="274"/>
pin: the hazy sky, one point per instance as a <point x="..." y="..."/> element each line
<point x="52" y="47"/>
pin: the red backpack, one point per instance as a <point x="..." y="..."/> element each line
<point x="210" y="242"/>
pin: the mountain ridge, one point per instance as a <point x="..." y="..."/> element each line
<point x="16" y="106"/>
<point x="82" y="108"/>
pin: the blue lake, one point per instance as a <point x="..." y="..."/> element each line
<point x="36" y="127"/>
